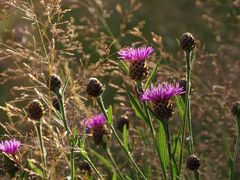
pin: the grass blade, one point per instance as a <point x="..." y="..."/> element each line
<point x="152" y="75"/>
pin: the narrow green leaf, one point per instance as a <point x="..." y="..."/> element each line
<point x="34" y="168"/>
<point x="180" y="105"/>
<point x="137" y="107"/>
<point x="125" y="136"/>
<point x="114" y="177"/>
<point x="152" y="75"/>
<point x="162" y="145"/>
<point x="110" y="119"/>
<point x="102" y="159"/>
<point x="65" y="85"/>
<point x="124" y="66"/>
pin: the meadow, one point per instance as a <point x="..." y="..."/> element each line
<point x="119" y="89"/>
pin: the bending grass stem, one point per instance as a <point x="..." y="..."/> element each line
<point x="38" y="128"/>
<point x="101" y="105"/>
<point x="114" y="163"/>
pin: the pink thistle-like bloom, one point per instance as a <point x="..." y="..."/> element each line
<point x="135" y="54"/>
<point x="95" y="122"/>
<point x="10" y="146"/>
<point x="162" y="92"/>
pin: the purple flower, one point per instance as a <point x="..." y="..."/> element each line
<point x="163" y="92"/>
<point x="10" y="146"/>
<point x="95" y="122"/>
<point x="135" y="54"/>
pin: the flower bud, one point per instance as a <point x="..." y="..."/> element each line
<point x="35" y="110"/>
<point x="54" y="83"/>
<point x="193" y="163"/>
<point x="121" y="122"/>
<point x="236" y="109"/>
<point x="94" y="87"/>
<point x="187" y="42"/>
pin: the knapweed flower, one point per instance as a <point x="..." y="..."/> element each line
<point x="97" y="126"/>
<point x="137" y="57"/>
<point x="54" y="83"/>
<point x="161" y="98"/>
<point x="10" y="146"/>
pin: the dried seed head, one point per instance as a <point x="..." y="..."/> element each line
<point x="35" y="110"/>
<point x="138" y="70"/>
<point x="187" y="42"/>
<point x="163" y="109"/>
<point x="99" y="132"/>
<point x="55" y="103"/>
<point x="94" y="87"/>
<point x="85" y="168"/>
<point x="121" y="122"/>
<point x="54" y="83"/>
<point x="193" y="163"/>
<point x="236" y="109"/>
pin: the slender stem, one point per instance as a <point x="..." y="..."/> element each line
<point x="187" y="113"/>
<point x="64" y="119"/>
<point x="189" y="69"/>
<point x="167" y="133"/>
<point x="196" y="174"/>
<point x="101" y="105"/>
<point x="38" y="128"/>
<point x="236" y="150"/>
<point x="114" y="164"/>
<point x="93" y="167"/>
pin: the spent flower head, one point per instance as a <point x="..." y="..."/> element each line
<point x="10" y="146"/>
<point x="162" y="92"/>
<point x="132" y="54"/>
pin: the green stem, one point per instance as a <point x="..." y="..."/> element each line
<point x="167" y="133"/>
<point x="64" y="119"/>
<point x="94" y="168"/>
<point x="236" y="150"/>
<point x="187" y="112"/>
<point x="114" y="164"/>
<point x="101" y="105"/>
<point x="38" y="128"/>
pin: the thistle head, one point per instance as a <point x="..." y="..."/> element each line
<point x="193" y="163"/>
<point x="162" y="92"/>
<point x="135" y="54"/>
<point x="10" y="146"/>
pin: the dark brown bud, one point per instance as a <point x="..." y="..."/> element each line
<point x="54" y="83"/>
<point x="56" y="103"/>
<point x="121" y="122"/>
<point x="94" y="87"/>
<point x="187" y="42"/>
<point x="236" y="109"/>
<point x="35" y="110"/>
<point x="193" y="163"/>
<point x="85" y="168"/>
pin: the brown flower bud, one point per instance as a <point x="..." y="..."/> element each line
<point x="193" y="163"/>
<point x="54" y="83"/>
<point x="35" y="110"/>
<point x="94" y="87"/>
<point x="121" y="122"/>
<point x="187" y="42"/>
